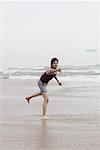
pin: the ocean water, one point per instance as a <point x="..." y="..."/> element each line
<point x="87" y="73"/>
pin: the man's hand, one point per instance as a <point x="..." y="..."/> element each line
<point x="59" y="70"/>
<point x="60" y="83"/>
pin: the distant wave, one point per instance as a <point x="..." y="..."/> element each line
<point x="68" y="72"/>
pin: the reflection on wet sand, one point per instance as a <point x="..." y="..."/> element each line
<point x="44" y="136"/>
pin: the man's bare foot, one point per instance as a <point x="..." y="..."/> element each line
<point x="28" y="99"/>
<point x="44" y="117"/>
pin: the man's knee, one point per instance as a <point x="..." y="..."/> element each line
<point x="46" y="100"/>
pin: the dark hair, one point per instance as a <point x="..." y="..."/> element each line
<point x="53" y="60"/>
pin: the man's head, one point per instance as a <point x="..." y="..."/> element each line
<point x="54" y="63"/>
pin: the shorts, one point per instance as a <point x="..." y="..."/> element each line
<point x="42" y="86"/>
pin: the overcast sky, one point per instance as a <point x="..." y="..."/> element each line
<point x="34" y="32"/>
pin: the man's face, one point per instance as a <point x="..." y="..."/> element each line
<point x="55" y="64"/>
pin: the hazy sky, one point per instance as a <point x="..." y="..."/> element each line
<point x="34" y="32"/>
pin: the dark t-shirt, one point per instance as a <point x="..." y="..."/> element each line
<point x="45" y="77"/>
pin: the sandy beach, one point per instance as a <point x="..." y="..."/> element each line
<point x="73" y="110"/>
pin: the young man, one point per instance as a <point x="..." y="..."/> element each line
<point x="42" y="83"/>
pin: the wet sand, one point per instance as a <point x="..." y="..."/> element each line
<point x="74" y="112"/>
